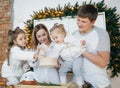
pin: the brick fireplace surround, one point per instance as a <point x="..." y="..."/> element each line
<point x="6" y="11"/>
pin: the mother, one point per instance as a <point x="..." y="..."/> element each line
<point x="41" y="38"/>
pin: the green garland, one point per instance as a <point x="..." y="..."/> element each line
<point x="112" y="22"/>
<point x="47" y="84"/>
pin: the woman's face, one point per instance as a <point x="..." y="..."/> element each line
<point x="42" y="36"/>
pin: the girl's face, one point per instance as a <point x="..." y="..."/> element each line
<point x="21" y="40"/>
<point x="42" y="36"/>
<point x="57" y="37"/>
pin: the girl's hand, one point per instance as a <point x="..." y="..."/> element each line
<point x="36" y="56"/>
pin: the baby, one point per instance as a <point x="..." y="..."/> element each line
<point x="70" y="50"/>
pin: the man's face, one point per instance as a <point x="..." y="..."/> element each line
<point x="84" y="24"/>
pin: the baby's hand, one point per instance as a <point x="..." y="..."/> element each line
<point x="83" y="42"/>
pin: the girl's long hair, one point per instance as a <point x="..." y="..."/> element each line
<point x="12" y="35"/>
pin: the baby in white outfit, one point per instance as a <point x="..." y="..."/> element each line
<point x="69" y="49"/>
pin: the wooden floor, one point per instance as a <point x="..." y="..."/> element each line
<point x="2" y="87"/>
<point x="2" y="83"/>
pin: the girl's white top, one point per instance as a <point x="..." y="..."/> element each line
<point x="17" y="61"/>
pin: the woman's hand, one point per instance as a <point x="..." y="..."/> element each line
<point x="42" y="47"/>
<point x="58" y="65"/>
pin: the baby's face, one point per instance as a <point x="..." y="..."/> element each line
<point x="57" y="37"/>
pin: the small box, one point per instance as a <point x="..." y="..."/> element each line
<point x="48" y="61"/>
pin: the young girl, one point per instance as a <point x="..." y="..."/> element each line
<point x="41" y="40"/>
<point x="70" y="49"/>
<point x="12" y="68"/>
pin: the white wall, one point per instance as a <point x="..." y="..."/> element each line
<point x="70" y="23"/>
<point x="24" y="8"/>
